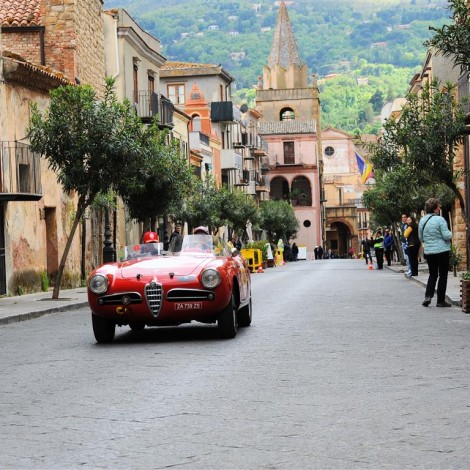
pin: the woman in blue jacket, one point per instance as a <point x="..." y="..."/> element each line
<point x="436" y="236"/>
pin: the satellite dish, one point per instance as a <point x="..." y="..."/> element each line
<point x="243" y="108"/>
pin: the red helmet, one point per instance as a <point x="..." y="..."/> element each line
<point x="150" y="237"/>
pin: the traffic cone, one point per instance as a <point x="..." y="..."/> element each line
<point x="371" y="266"/>
<point x="260" y="270"/>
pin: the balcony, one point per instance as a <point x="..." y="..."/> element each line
<point x="149" y="105"/>
<point x="231" y="160"/>
<point x="20" y="171"/>
<point x="224" y="111"/>
<point x="261" y="185"/>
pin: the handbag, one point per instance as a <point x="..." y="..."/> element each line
<point x="425" y="256"/>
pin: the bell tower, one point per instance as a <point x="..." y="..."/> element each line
<point x="290" y="106"/>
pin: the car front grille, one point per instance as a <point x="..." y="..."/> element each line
<point x="154" y="295"/>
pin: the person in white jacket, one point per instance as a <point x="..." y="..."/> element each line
<point x="436" y="236"/>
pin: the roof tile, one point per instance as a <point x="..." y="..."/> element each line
<point x="20" y="13"/>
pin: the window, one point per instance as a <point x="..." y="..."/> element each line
<point x="151" y="80"/>
<point x="176" y="94"/>
<point x="287" y="114"/>
<point x="289" y="153"/>
<point x="329" y="151"/>
<point x="196" y="123"/>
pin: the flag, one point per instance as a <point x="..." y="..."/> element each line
<point x="366" y="168"/>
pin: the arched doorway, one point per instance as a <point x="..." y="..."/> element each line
<point x="337" y="239"/>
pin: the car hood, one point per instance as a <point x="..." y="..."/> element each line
<point x="163" y="265"/>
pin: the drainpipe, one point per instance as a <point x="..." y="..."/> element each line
<point x="116" y="44"/>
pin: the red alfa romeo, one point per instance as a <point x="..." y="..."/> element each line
<point x="206" y="281"/>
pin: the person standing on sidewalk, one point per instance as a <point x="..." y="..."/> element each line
<point x="413" y="244"/>
<point x="388" y="246"/>
<point x="436" y="236"/>
<point x="403" y="227"/>
<point x="379" y="249"/>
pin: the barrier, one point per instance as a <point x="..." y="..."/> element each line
<point x="253" y="257"/>
<point x="279" y="258"/>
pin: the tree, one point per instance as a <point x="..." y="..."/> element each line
<point x="416" y="154"/>
<point x="203" y="206"/>
<point x="453" y="40"/>
<point x="90" y="144"/>
<point x="278" y="219"/>
<point x="238" y="209"/>
<point x="163" y="179"/>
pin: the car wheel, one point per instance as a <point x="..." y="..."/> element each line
<point x="103" y="328"/>
<point x="136" y="326"/>
<point x="227" y="321"/>
<point x="244" y="315"/>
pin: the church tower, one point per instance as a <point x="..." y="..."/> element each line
<point x="291" y="127"/>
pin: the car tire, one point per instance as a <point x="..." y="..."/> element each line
<point x="137" y="326"/>
<point x="103" y="328"/>
<point x="227" y="321"/>
<point x="244" y="315"/>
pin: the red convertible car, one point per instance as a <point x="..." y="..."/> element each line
<point x="206" y="281"/>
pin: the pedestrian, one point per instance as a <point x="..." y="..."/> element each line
<point x="436" y="236"/>
<point x="403" y="227"/>
<point x="366" y="250"/>
<point x="388" y="246"/>
<point x="236" y="242"/>
<point x="413" y="244"/>
<point x="176" y="240"/>
<point x="320" y="252"/>
<point x="379" y="249"/>
<point x="295" y="251"/>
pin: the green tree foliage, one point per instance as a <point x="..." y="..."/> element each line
<point x="414" y="159"/>
<point x="278" y="220"/>
<point x="453" y="40"/>
<point x="89" y="144"/>
<point x="203" y="206"/>
<point x="239" y="208"/>
<point x="162" y="181"/>
<point x="333" y="37"/>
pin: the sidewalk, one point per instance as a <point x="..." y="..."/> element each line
<point x="29" y="306"/>
<point x="453" y="282"/>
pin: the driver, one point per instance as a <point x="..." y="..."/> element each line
<point x="149" y="238"/>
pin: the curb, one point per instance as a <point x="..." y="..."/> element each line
<point x="32" y="315"/>
<point x="423" y="284"/>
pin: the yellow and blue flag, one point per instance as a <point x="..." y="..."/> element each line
<point x="366" y="169"/>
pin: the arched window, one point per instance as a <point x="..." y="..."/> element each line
<point x="196" y="125"/>
<point x="287" y="114"/>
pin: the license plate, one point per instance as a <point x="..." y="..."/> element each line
<point x="187" y="306"/>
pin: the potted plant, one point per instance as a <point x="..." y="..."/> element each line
<point x="455" y="260"/>
<point x="465" y="291"/>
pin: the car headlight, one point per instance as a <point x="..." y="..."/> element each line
<point x="210" y="278"/>
<point x="98" y="284"/>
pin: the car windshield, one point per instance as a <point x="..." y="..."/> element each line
<point x="141" y="250"/>
<point x="192" y="245"/>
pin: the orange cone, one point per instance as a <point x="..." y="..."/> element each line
<point x="371" y="266"/>
<point x="260" y="270"/>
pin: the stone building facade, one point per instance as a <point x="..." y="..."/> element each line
<point x="43" y="44"/>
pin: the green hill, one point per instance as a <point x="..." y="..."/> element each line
<point x="374" y="46"/>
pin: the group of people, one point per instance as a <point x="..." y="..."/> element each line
<point x="431" y="237"/>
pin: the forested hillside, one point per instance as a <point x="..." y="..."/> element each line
<point x="374" y="46"/>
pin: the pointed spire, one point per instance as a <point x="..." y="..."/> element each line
<point x="284" y="50"/>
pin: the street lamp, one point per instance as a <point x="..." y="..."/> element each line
<point x="109" y="253"/>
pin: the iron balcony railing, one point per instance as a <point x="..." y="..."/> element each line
<point x="150" y="104"/>
<point x="20" y="172"/>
